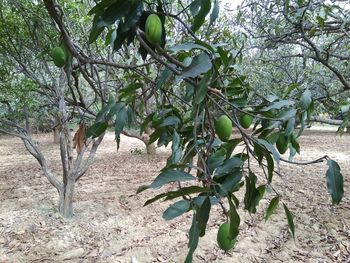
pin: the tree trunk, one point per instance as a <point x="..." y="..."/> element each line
<point x="66" y="199"/>
<point x="151" y="148"/>
<point x="26" y="116"/>
<point x="56" y="135"/>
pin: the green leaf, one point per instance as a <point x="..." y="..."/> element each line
<point x="234" y="220"/>
<point x="170" y="121"/>
<point x="290" y="220"/>
<point x="201" y="92"/>
<point x="230" y="146"/>
<point x="268" y="146"/>
<point x="121" y="120"/>
<point x="133" y="16"/>
<point x="334" y="182"/>
<point x="305" y="99"/>
<point x="105" y="110"/>
<point x="97" y="129"/>
<point x="171" y="176"/>
<point x="186" y="47"/>
<point x="176" y="209"/>
<point x="193" y="239"/>
<point x="214" y="14"/>
<point x="228" y="166"/>
<point x="94" y="33"/>
<point x="278" y="105"/>
<point x="272" y="207"/>
<point x="286" y="114"/>
<point x="270" y="166"/>
<point x="290" y="127"/>
<point x="200" y="64"/>
<point x="203" y="215"/>
<point x="199" y="18"/>
<point x="216" y="159"/>
<point x="101" y="6"/>
<point x="115" y="12"/>
<point x="173" y="194"/>
<point x="252" y="194"/>
<point x="164" y="77"/>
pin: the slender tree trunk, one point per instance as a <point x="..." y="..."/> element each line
<point x="66" y="199"/>
<point x="56" y="135"/>
<point x="26" y="115"/>
<point x="150" y="148"/>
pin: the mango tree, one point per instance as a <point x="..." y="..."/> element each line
<point x="199" y="82"/>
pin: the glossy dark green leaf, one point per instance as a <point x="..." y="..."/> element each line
<point x="101" y="6"/>
<point x="199" y="18"/>
<point x="203" y="215"/>
<point x="94" y="33"/>
<point x="173" y="194"/>
<point x="278" y="105"/>
<point x="176" y="209"/>
<point x="200" y="64"/>
<point x="268" y="146"/>
<point x="214" y="13"/>
<point x="193" y="239"/>
<point x="335" y="182"/>
<point x="290" y="220"/>
<point x="171" y="176"/>
<point x="115" y="12"/>
<point x="202" y="89"/>
<point x="133" y="15"/>
<point x="103" y="113"/>
<point x="97" y="129"/>
<point x="216" y="159"/>
<point x="230" y="146"/>
<point x="252" y="194"/>
<point x="164" y="77"/>
<point x="228" y="166"/>
<point x="270" y="166"/>
<point x="170" y="121"/>
<point x="231" y="181"/>
<point x="272" y="207"/>
<point x="234" y="220"/>
<point x="121" y="119"/>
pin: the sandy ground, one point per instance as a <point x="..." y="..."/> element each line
<point x="111" y="224"/>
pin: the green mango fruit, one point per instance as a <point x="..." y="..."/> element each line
<point x="223" y="127"/>
<point x="246" y="120"/>
<point x="59" y="56"/>
<point x="154" y="29"/>
<point x="222" y="238"/>
<point x="282" y="143"/>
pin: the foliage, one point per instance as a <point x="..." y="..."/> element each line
<point x="178" y="88"/>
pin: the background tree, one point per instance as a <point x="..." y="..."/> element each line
<point x="301" y="44"/>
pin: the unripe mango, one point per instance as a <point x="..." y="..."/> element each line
<point x="59" y="56"/>
<point x="223" y="241"/>
<point x="153" y="29"/>
<point x="223" y="127"/>
<point x="245" y="120"/>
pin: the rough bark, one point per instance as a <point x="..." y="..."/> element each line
<point x="326" y="121"/>
<point x="56" y="135"/>
<point x="66" y="199"/>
